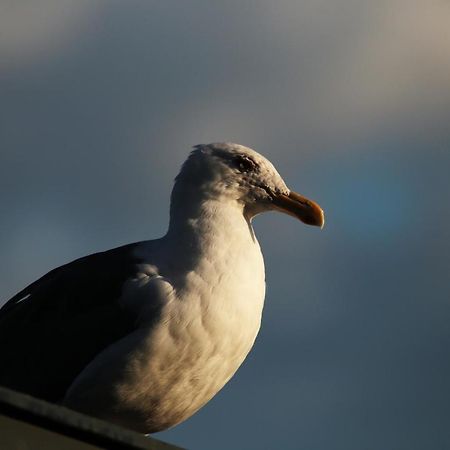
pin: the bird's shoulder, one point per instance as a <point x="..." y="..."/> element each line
<point x="86" y="282"/>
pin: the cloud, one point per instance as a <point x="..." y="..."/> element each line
<point x="366" y="63"/>
<point x="31" y="31"/>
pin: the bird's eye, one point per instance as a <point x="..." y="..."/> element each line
<point x="244" y="164"/>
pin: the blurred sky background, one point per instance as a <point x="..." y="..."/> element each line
<point x="100" y="102"/>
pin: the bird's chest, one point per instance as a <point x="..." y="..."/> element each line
<point x="223" y="299"/>
<point x="204" y="334"/>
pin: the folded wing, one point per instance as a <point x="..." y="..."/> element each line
<point x="52" y="329"/>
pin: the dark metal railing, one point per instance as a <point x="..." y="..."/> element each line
<point x="30" y="423"/>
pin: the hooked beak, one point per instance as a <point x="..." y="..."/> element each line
<point x="296" y="205"/>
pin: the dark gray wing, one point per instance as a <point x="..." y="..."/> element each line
<point x="53" y="328"/>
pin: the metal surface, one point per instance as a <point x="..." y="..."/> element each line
<point x="27" y="423"/>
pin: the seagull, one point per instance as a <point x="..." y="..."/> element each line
<point x="145" y="334"/>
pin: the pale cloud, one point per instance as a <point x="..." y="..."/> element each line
<point x="32" y="30"/>
<point x="325" y="70"/>
<point x="297" y="66"/>
<point x="400" y="66"/>
<point x="374" y="63"/>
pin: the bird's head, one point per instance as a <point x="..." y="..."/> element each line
<point x="234" y="172"/>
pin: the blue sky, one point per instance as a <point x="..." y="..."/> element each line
<point x="101" y="102"/>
